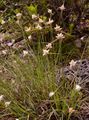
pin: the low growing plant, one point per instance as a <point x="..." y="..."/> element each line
<point x="29" y="90"/>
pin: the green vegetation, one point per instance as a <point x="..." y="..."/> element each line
<point x="37" y="39"/>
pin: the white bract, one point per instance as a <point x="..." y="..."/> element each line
<point x="58" y="28"/>
<point x="40" y="20"/>
<point x="49" y="22"/>
<point x="60" y="36"/>
<point x="30" y="37"/>
<point x="27" y="29"/>
<point x="62" y="7"/>
<point x="25" y="52"/>
<point x="78" y="87"/>
<point x="38" y="27"/>
<point x="4" y="52"/>
<point x="7" y="103"/>
<point x="34" y="17"/>
<point x="45" y="52"/>
<point x="51" y="94"/>
<point x="2" y="22"/>
<point x="71" y="110"/>
<point x="50" y="11"/>
<point x="49" y="46"/>
<point x="72" y="63"/>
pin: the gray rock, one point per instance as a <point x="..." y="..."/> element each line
<point x="79" y="73"/>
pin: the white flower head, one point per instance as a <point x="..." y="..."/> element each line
<point x="51" y="94"/>
<point x="49" y="22"/>
<point x="38" y="27"/>
<point x="25" y="52"/>
<point x="62" y="7"/>
<point x="19" y="15"/>
<point x="49" y="46"/>
<point x="60" y="36"/>
<point x="7" y="103"/>
<point x="27" y="29"/>
<point x="71" y="110"/>
<point x="16" y="119"/>
<point x="40" y="20"/>
<point x="78" y="87"/>
<point x="72" y="64"/>
<point x="45" y="52"/>
<point x="58" y="28"/>
<point x="34" y="16"/>
<point x="30" y="37"/>
<point x="1" y="97"/>
<point x="50" y="11"/>
<point x="2" y="22"/>
<point x="82" y="38"/>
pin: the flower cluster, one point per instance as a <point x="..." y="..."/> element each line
<point x="59" y="35"/>
<point x="47" y="49"/>
<point x="39" y="23"/>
